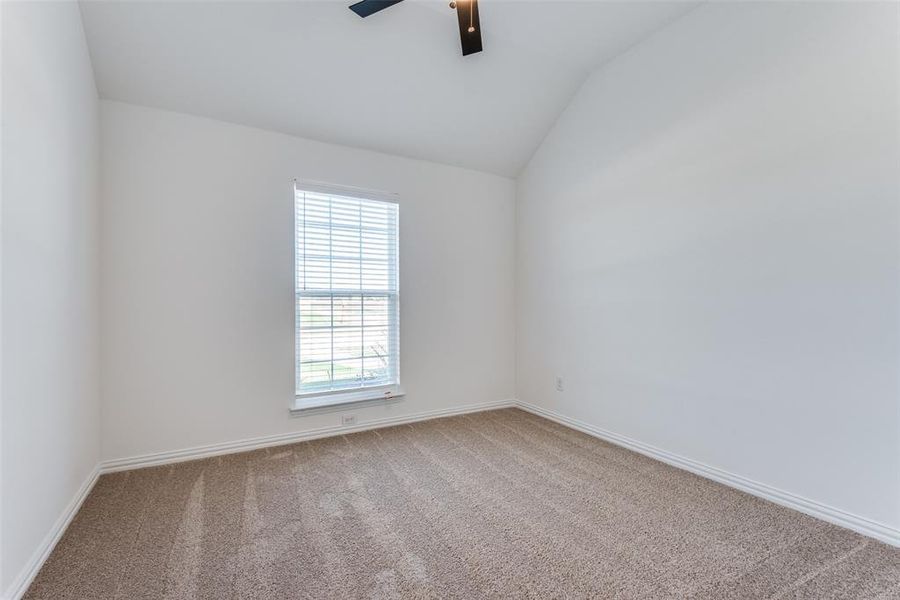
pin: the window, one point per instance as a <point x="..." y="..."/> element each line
<point x="347" y="304"/>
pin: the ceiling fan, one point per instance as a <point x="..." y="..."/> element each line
<point x="466" y="13"/>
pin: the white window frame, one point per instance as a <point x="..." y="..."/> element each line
<point x="305" y="401"/>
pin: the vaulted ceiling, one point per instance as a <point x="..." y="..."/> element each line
<point x="393" y="82"/>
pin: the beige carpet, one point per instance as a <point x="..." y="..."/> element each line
<point x="500" y="504"/>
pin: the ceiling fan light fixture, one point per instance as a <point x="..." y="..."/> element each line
<point x="469" y="25"/>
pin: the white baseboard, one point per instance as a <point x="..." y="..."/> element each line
<point x="162" y="458"/>
<point x="20" y="585"/>
<point x="824" y="512"/>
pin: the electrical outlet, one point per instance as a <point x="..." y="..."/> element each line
<point x="559" y="383"/>
<point x="347" y="420"/>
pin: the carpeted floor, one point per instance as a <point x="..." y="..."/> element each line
<point x="499" y="504"/>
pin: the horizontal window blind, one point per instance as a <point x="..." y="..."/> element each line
<point x="347" y="305"/>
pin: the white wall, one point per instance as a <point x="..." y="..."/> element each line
<point x="50" y="424"/>
<point x="708" y="250"/>
<point x="197" y="280"/>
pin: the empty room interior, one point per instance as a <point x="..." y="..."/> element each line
<point x="373" y="299"/>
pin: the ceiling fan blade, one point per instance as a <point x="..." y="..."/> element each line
<point x="369" y="7"/>
<point x="469" y="26"/>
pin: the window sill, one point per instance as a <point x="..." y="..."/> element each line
<point x="323" y="402"/>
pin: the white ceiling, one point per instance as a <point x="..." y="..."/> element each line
<point x="394" y="82"/>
